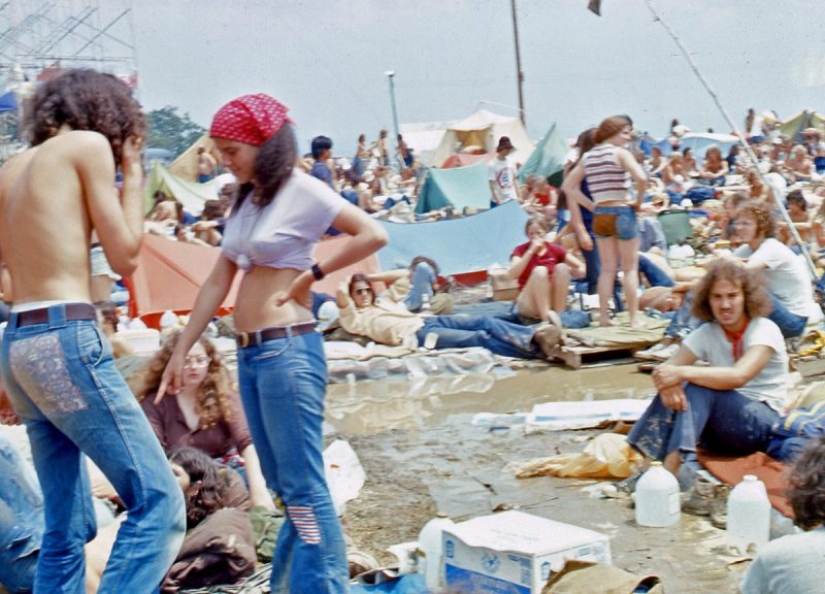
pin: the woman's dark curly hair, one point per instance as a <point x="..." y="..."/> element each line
<point x="752" y="283"/>
<point x="273" y="165"/>
<point x="204" y="475"/>
<point x="84" y="99"/>
<point x="213" y="403"/>
<point x="807" y="486"/>
<point x="765" y="221"/>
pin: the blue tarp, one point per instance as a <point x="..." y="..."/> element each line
<point x="460" y="187"/>
<point x="458" y="245"/>
<point x="8" y="102"/>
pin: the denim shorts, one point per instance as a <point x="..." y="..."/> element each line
<point x="615" y="221"/>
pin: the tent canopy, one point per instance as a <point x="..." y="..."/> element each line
<point x="792" y="127"/>
<point x="458" y="245"/>
<point x="460" y="187"/>
<point x="191" y="194"/>
<point x="483" y="129"/>
<point x="186" y="165"/>
<point x="547" y="159"/>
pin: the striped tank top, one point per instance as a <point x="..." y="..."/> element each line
<point x="608" y="181"/>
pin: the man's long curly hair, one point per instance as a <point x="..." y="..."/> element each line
<point x="207" y="484"/>
<point x="807" y="482"/>
<point x="752" y="283"/>
<point x="274" y="163"/>
<point x="213" y="403"/>
<point x="84" y="99"/>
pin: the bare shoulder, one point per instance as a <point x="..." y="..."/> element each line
<point x="84" y="141"/>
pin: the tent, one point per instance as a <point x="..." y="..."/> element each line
<point x="792" y="127"/>
<point x="459" y="246"/>
<point x="191" y="194"/>
<point x="547" y="159"/>
<point x="8" y="102"/>
<point x="170" y="274"/>
<point x="186" y="165"/>
<point x="465" y="159"/>
<point x="424" y="138"/>
<point x="483" y="129"/>
<point x="698" y="142"/>
<point x="460" y="187"/>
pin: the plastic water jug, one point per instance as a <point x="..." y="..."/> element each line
<point x="657" y="498"/>
<point x="430" y="553"/>
<point x="749" y="517"/>
<point x="168" y="319"/>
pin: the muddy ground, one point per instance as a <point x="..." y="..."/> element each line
<point x="422" y="455"/>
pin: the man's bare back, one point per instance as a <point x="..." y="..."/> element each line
<point x="51" y="197"/>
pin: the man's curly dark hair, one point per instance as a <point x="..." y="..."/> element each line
<point x="84" y="99"/>
<point x="752" y="283"/>
<point x="807" y="481"/>
<point x="207" y="486"/>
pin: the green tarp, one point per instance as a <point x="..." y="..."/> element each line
<point x="792" y="127"/>
<point x="460" y="187"/>
<point x="547" y="159"/>
<point x="191" y="194"/>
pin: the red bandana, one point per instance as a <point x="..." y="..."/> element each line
<point x="737" y="339"/>
<point x="251" y="119"/>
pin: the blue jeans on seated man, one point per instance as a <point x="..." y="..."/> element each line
<point x="494" y="334"/>
<point x="422" y="279"/>
<point x="724" y="422"/>
<point x="64" y="385"/>
<point x="790" y="324"/>
<point x="21" y="520"/>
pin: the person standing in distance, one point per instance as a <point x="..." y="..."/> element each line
<point x="56" y="361"/>
<point x="280" y="213"/>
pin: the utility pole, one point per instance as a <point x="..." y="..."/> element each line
<point x="519" y="72"/>
<point x="391" y="76"/>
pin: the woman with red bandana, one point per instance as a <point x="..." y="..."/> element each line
<point x="279" y="215"/>
<point x="729" y="406"/>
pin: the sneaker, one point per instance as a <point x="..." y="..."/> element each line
<point x="548" y="338"/>
<point x="707" y="498"/>
<point x="658" y="352"/>
<point x="719" y="507"/>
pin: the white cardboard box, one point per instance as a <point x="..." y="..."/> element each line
<point x="514" y="553"/>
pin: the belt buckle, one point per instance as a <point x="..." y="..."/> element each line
<point x="243" y="339"/>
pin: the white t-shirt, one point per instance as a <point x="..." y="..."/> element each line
<point x="709" y="343"/>
<point x="503" y="175"/>
<point x="788" y="279"/>
<point x="788" y="565"/>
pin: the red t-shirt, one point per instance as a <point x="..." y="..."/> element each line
<point x="553" y="255"/>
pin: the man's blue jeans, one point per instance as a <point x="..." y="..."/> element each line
<point x="494" y="334"/>
<point x="724" y="422"/>
<point x="283" y="384"/>
<point x="421" y="281"/>
<point x="64" y="385"/>
<point x="789" y="323"/>
<point x="21" y="520"/>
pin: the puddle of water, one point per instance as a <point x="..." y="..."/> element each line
<point x="371" y="406"/>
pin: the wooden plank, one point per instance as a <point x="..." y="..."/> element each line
<point x="575" y="357"/>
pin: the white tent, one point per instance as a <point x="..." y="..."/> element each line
<point x="425" y="138"/>
<point x="483" y="129"/>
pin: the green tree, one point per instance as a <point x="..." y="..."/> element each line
<point x="171" y="131"/>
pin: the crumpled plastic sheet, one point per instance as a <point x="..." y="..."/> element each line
<point x="418" y="365"/>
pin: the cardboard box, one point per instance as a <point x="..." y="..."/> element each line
<point x="504" y="287"/>
<point x="514" y="552"/>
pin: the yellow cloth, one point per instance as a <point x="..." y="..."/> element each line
<point x="607" y="456"/>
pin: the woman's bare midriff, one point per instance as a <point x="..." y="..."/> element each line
<point x="612" y="203"/>
<point x="255" y="305"/>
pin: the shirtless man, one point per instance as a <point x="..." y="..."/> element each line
<point x="57" y="366"/>
<point x="206" y="165"/>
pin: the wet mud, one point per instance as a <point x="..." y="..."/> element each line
<point x="422" y="455"/>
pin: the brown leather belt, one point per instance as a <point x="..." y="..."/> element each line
<point x="73" y="311"/>
<point x="251" y="339"/>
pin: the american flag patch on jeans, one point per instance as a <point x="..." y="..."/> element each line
<point x="303" y="518"/>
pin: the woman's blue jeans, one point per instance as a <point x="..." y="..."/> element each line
<point x="724" y="422"/>
<point x="421" y="280"/>
<point x="282" y="385"/>
<point x="21" y="520"/>
<point x="64" y="385"/>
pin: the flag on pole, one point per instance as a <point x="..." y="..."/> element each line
<point x="595" y="6"/>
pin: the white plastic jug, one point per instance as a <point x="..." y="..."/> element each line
<point x="749" y="517"/>
<point x="657" y="498"/>
<point x="430" y="553"/>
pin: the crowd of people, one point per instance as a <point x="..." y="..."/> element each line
<point x="187" y="450"/>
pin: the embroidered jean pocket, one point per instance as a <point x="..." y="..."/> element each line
<point x="39" y="366"/>
<point x="604" y="224"/>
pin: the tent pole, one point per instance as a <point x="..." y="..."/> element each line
<point x="519" y="71"/>
<point x="747" y="148"/>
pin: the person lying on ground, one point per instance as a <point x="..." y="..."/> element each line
<point x="792" y="564"/>
<point x="730" y="406"/>
<point x="788" y="281"/>
<point x="390" y="323"/>
<point x="543" y="270"/>
<point x="416" y="286"/>
<point x="206" y="413"/>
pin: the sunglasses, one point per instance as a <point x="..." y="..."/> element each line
<point x="364" y="291"/>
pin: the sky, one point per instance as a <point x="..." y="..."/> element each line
<point x="327" y="59"/>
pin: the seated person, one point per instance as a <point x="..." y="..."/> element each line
<point x="414" y="285"/>
<point x="715" y="168"/>
<point x="543" y="270"/>
<point x="801" y="219"/>
<point x="393" y="324"/>
<point x="793" y="563"/>
<point x="209" y="228"/>
<point x="730" y="406"/>
<point x="800" y="165"/>
<point x="108" y="321"/>
<point x="689" y="163"/>
<point x="184" y="235"/>
<point x="206" y="413"/>
<point x="788" y="280"/>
